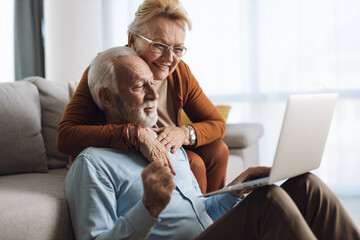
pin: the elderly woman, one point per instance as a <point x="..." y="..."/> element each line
<point x="157" y="35"/>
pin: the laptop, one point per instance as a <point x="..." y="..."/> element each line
<point x="302" y="139"/>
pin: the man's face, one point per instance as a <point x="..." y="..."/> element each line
<point x="137" y="115"/>
<point x="136" y="101"/>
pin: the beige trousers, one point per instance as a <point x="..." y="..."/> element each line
<point x="302" y="208"/>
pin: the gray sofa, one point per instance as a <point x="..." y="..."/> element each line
<point x="32" y="192"/>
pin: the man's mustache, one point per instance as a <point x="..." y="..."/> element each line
<point x="149" y="104"/>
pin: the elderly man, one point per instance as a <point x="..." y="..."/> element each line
<point x="114" y="194"/>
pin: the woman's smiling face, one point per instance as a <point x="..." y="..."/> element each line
<point x="164" y="30"/>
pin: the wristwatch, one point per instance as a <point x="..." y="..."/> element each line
<point x="192" y="134"/>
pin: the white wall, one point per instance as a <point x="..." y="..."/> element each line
<point x="73" y="37"/>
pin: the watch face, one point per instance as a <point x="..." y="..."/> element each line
<point x="192" y="134"/>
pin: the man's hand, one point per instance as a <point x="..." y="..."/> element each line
<point x="173" y="137"/>
<point x="158" y="186"/>
<point x="249" y="174"/>
<point x="153" y="150"/>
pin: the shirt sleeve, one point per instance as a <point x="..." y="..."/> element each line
<point x="93" y="207"/>
<point x="132" y="226"/>
<point x="80" y="124"/>
<point x="218" y="205"/>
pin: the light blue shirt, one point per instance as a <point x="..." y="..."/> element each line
<point x="104" y="192"/>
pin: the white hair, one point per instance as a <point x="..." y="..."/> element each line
<point x="102" y="72"/>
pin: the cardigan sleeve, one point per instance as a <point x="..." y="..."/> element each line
<point x="207" y="120"/>
<point x="80" y="124"/>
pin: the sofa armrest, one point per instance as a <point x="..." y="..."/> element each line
<point x="243" y="142"/>
<point x="242" y="135"/>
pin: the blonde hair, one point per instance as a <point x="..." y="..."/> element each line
<point x="102" y="71"/>
<point x="151" y="9"/>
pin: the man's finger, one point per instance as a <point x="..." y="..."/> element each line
<point x="163" y="175"/>
<point x="170" y="186"/>
<point x="257" y="172"/>
<point x="262" y="171"/>
<point x="165" y="162"/>
<point x="156" y="168"/>
<point x="171" y="167"/>
<point x="164" y="179"/>
<point x="169" y="164"/>
<point x="157" y="129"/>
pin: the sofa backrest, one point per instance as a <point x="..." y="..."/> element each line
<point x="54" y="96"/>
<point x="22" y="147"/>
<point x="30" y="112"/>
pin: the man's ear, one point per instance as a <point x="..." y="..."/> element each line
<point x="131" y="40"/>
<point x="106" y="97"/>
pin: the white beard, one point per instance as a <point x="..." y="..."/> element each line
<point x="137" y="115"/>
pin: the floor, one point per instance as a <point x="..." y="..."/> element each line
<point x="352" y="205"/>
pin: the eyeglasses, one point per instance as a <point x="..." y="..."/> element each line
<point x="162" y="48"/>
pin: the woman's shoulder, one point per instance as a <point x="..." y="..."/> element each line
<point x="182" y="66"/>
<point x="182" y="72"/>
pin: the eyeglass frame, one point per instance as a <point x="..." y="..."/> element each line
<point x="184" y="49"/>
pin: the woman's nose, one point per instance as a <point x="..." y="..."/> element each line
<point x="169" y="54"/>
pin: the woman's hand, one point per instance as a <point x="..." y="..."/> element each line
<point x="153" y="150"/>
<point x="173" y="137"/>
<point x="249" y="174"/>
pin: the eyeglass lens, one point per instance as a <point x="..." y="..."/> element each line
<point x="162" y="48"/>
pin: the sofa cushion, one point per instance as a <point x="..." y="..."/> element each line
<point x="72" y="87"/>
<point x="21" y="142"/>
<point x="34" y="206"/>
<point x="223" y="110"/>
<point x="54" y="96"/>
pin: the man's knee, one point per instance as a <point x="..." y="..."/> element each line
<point x="272" y="198"/>
<point x="276" y="197"/>
<point x="278" y="214"/>
<point x="305" y="181"/>
<point x="307" y="177"/>
<point x="273" y="192"/>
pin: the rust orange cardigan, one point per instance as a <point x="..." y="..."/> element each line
<point x="83" y="123"/>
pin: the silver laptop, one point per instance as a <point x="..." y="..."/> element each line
<point x="302" y="139"/>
